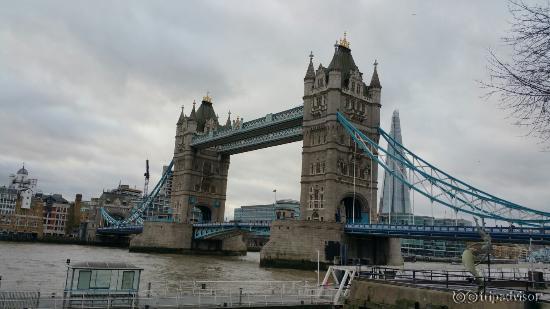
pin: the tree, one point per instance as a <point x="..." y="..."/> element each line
<point x="522" y="84"/>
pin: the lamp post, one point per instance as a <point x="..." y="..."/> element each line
<point x="275" y="193"/>
<point x="318" y="267"/>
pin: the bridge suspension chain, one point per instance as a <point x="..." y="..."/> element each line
<point x="440" y="187"/>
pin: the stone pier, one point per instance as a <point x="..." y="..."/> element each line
<point x="298" y="244"/>
<point x="178" y="238"/>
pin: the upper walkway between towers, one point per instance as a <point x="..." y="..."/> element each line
<point x="272" y="130"/>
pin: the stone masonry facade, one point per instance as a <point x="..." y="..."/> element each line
<point x="330" y="161"/>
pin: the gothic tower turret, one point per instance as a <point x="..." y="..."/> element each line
<point x="309" y="79"/>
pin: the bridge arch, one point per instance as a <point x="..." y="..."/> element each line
<point x="205" y="214"/>
<point x="345" y="211"/>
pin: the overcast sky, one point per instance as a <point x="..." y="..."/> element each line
<point x="89" y="89"/>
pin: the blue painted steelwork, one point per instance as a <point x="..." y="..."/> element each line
<point x="120" y="230"/>
<point x="294" y="133"/>
<point x="498" y="234"/>
<point x="270" y="120"/>
<point x="271" y="130"/>
<point x="219" y="230"/>
<point x="442" y="188"/>
<point x="135" y="216"/>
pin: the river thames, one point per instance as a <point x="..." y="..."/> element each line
<point x="42" y="266"/>
<point x="32" y="266"/>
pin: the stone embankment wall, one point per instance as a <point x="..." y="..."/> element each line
<point x="371" y="294"/>
<point x="294" y="243"/>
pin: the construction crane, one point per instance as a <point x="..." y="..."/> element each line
<point x="146" y="186"/>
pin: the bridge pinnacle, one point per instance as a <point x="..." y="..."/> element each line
<point x="182" y="116"/>
<point x="310" y="73"/>
<point x="207" y="97"/>
<point x="344" y="41"/>
<point x="228" y="122"/>
<point x="375" y="81"/>
<point x="193" y="113"/>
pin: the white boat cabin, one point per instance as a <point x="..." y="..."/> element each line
<point x="102" y="277"/>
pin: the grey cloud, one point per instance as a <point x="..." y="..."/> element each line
<point x="89" y="89"/>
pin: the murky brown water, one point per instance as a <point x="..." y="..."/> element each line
<point x="32" y="265"/>
<point x="29" y="266"/>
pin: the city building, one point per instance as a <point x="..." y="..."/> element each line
<point x="23" y="223"/>
<point x="283" y="209"/>
<point x="24" y="186"/>
<point x="117" y="202"/>
<point x="74" y="217"/>
<point x="395" y="205"/>
<point x="8" y="199"/>
<point x="21" y="180"/>
<point x="55" y="214"/>
<point x="433" y="247"/>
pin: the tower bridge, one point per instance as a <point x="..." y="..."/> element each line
<point x="339" y="126"/>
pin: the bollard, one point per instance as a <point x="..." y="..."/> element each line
<point x="240" y="296"/>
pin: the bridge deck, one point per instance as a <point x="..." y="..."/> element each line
<point x="463" y="233"/>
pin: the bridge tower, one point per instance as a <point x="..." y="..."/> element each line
<point x="199" y="184"/>
<point x="200" y="175"/>
<point x="338" y="185"/>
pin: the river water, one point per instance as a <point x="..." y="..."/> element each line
<point x="29" y="266"/>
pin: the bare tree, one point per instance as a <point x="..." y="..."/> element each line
<point x="522" y="84"/>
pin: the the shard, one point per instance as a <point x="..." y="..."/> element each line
<point x="395" y="195"/>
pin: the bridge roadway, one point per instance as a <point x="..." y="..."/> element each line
<point x="463" y="233"/>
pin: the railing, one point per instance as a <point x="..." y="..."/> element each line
<point x="208" y="230"/>
<point x="449" y="279"/>
<point x="191" y="294"/>
<point x="451" y="228"/>
<point x="232" y="224"/>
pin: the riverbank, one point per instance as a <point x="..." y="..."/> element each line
<point x="62" y="240"/>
